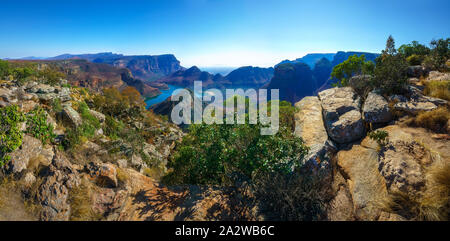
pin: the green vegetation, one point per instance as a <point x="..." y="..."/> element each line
<point x="10" y="133"/>
<point x="414" y="52"/>
<point x="354" y="65"/>
<point x="4" y="68"/>
<point x="439" y="54"/>
<point x="380" y="136"/>
<point x="38" y="126"/>
<point x="390" y="72"/>
<point x="212" y="154"/>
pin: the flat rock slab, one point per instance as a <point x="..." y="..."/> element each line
<point x="367" y="186"/>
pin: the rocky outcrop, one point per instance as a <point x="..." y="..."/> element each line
<point x="437" y="76"/>
<point x="341" y="114"/>
<point x="71" y="116"/>
<point x="53" y="193"/>
<point x="367" y="186"/>
<point x="417" y="102"/>
<point x="309" y="126"/>
<point x="376" y="109"/>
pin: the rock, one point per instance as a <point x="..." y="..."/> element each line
<point x="29" y="179"/>
<point x="64" y="94"/>
<point x="376" y="109"/>
<point x="41" y="89"/>
<point x="342" y="117"/>
<point x="384" y="216"/>
<point x="101" y="117"/>
<point x="122" y="163"/>
<point x="71" y="116"/>
<point x="401" y="162"/>
<point x="137" y="162"/>
<point x="417" y="102"/>
<point x="309" y="126"/>
<point x="437" y="76"/>
<point x="30" y="148"/>
<point x="53" y="194"/>
<point x="104" y="173"/>
<point x="366" y="185"/>
<point x="27" y="106"/>
<point x="413" y="80"/>
<point x="416" y="71"/>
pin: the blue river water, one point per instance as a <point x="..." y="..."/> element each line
<point x="167" y="93"/>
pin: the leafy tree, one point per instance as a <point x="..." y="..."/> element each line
<point x="390" y="70"/>
<point x="22" y="73"/>
<point x="414" y="48"/>
<point x="440" y="53"/>
<point x="354" y="65"/>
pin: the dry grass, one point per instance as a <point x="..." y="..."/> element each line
<point x="291" y="197"/>
<point x="81" y="203"/>
<point x="435" y="120"/>
<point x="122" y="176"/>
<point x="433" y="204"/>
<point x="438" y="89"/>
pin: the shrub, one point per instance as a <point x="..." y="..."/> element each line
<point x="210" y="154"/>
<point x="380" y="136"/>
<point x="390" y="71"/>
<point x="50" y="76"/>
<point x="38" y="126"/>
<point x="414" y="48"/>
<point x="4" y="68"/>
<point x="440" y="53"/>
<point x="438" y="89"/>
<point x="10" y="133"/>
<point x="435" y="120"/>
<point x="291" y="197"/>
<point x="21" y="74"/>
<point x="113" y="128"/>
<point x="56" y="105"/>
<point x="87" y="117"/>
<point x="414" y="59"/>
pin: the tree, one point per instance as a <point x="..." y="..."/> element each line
<point x="354" y="65"/>
<point x="4" y="68"/>
<point x="413" y="48"/>
<point x="440" y="53"/>
<point x="390" y="70"/>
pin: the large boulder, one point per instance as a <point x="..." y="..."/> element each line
<point x="367" y="186"/>
<point x="101" y="117"/>
<point x="376" y="109"/>
<point x="53" y="193"/>
<point x="341" y="114"/>
<point x="309" y="126"/>
<point x="104" y="173"/>
<point x="71" y="116"/>
<point x="30" y="149"/>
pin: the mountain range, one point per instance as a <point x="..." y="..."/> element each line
<point x="247" y="76"/>
<point x="297" y="79"/>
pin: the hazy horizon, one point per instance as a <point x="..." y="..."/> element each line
<point x="211" y="33"/>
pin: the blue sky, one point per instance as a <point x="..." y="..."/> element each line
<point x="216" y="32"/>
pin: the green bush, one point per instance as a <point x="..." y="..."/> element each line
<point x="380" y="136"/>
<point x="113" y="128"/>
<point x="415" y="59"/>
<point x="10" y="133"/>
<point x="56" y="105"/>
<point x="87" y="117"/>
<point x="211" y="154"/>
<point x="21" y="74"/>
<point x="390" y="71"/>
<point x="440" y="53"/>
<point x="38" y="126"/>
<point x="4" y="68"/>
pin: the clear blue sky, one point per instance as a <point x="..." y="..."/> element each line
<point x="216" y="32"/>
